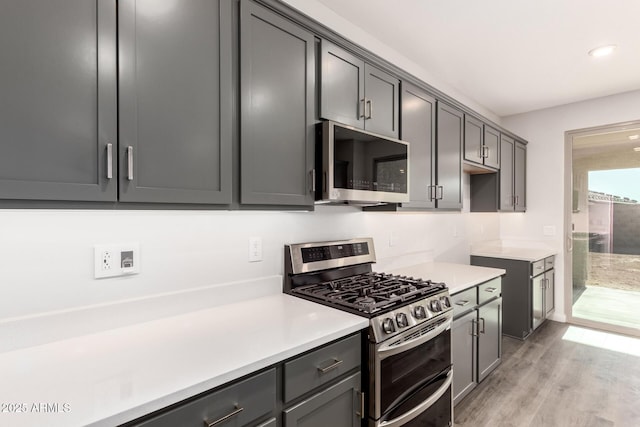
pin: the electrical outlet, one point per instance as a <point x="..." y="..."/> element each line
<point x="255" y="249"/>
<point x="116" y="260"/>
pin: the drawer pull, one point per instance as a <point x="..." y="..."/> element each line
<point x="491" y="290"/>
<point x="225" y="418"/>
<point x="334" y="365"/>
<point x="462" y="303"/>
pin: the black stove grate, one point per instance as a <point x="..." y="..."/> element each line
<point x="369" y="293"/>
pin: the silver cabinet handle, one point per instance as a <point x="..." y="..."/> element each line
<point x="370" y="105"/>
<point x="486" y="154"/>
<point x="474" y="327"/>
<point x="432" y="192"/>
<point x="225" y="418"/>
<point x="517" y="202"/>
<point x="441" y="188"/>
<point x="130" y="163"/>
<point x="109" y="160"/>
<point x="483" y="324"/>
<point x="334" y="365"/>
<point x="312" y="172"/>
<point x="491" y="290"/>
<point x="462" y="303"/>
<point x="362" y="113"/>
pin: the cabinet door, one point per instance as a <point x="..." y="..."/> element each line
<point x="491" y="147"/>
<point x="520" y="177"/>
<point x="277" y="109"/>
<point x="382" y="102"/>
<point x="341" y="86"/>
<point x="489" y="337"/>
<point x="463" y="355"/>
<point x="449" y="157"/>
<point x="507" y="148"/>
<point x="418" y="128"/>
<point x="473" y="139"/>
<point x="538" y="284"/>
<point x="58" y="100"/>
<point x="549" y="300"/>
<point x="175" y="101"/>
<point x="335" y="406"/>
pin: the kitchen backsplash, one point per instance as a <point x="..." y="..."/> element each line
<point x="47" y="256"/>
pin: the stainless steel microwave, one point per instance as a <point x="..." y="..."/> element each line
<point x="360" y="167"/>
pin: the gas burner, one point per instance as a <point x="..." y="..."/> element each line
<point x="370" y="293"/>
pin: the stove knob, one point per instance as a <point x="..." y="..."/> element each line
<point x="419" y="312"/>
<point x="401" y="320"/>
<point x="435" y="305"/>
<point x="445" y="303"/>
<point x="387" y="325"/>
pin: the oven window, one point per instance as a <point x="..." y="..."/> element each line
<point x="403" y="373"/>
<point x="366" y="162"/>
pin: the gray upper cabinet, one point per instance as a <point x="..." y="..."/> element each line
<point x="491" y="146"/>
<point x="277" y="109"/>
<point x="175" y="101"/>
<point x="520" y="177"/>
<point x="356" y="93"/>
<point x="507" y="149"/>
<point x="513" y="155"/>
<point x="473" y="140"/>
<point x="481" y="143"/>
<point x="418" y="128"/>
<point x="449" y="131"/>
<point x="58" y="105"/>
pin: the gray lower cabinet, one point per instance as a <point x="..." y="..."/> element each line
<point x="338" y="406"/>
<point x="448" y="170"/>
<point x="277" y="104"/>
<point x="513" y="158"/>
<point x="356" y="93"/>
<point x="527" y="292"/>
<point x="476" y="335"/>
<point x="240" y="404"/>
<point x="58" y="108"/>
<point x="175" y="102"/>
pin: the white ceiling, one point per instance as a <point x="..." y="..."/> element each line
<point x="511" y="56"/>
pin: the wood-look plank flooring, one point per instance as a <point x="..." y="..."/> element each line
<point x="550" y="381"/>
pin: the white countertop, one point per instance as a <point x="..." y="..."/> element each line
<point x="110" y="377"/>
<point x="521" y="254"/>
<point x="457" y="277"/>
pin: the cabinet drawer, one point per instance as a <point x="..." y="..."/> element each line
<point x="464" y="301"/>
<point x="537" y="267"/>
<point x="549" y="263"/>
<point x="320" y="366"/>
<point x="248" y="400"/>
<point x="489" y="290"/>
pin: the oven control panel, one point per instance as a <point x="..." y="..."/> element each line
<point x="403" y="318"/>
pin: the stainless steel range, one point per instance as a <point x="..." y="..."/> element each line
<point x="408" y="376"/>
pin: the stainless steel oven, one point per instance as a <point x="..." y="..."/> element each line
<point x="407" y="380"/>
<point x="411" y="376"/>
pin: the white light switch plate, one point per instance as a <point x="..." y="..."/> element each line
<point x="255" y="249"/>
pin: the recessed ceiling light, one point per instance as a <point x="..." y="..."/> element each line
<point x="636" y="149"/>
<point x="602" y="50"/>
<point x="634" y="137"/>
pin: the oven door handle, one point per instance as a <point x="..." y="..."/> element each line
<point x="413" y="413"/>
<point x="387" y="350"/>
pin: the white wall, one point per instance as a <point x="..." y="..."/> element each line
<point x="545" y="131"/>
<point x="46" y="256"/>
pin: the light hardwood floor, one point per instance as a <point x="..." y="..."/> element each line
<point x="550" y="381"/>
